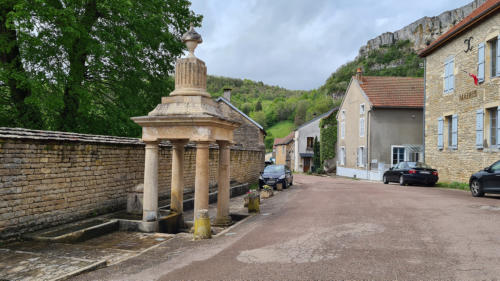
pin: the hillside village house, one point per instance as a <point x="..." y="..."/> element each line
<point x="462" y="128"/>
<point x="304" y="141"/>
<point x="250" y="135"/>
<point x="284" y="149"/>
<point x="379" y="125"/>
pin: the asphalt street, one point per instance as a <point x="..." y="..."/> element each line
<point x="335" y="228"/>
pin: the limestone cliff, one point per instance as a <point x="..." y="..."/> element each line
<point x="422" y="31"/>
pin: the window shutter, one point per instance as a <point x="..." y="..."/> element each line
<point x="480" y="62"/>
<point x="454" y="131"/>
<point x="479" y="128"/>
<point x="498" y="126"/>
<point x="451" y="84"/>
<point x="498" y="56"/>
<point x="361" y="127"/>
<point x="440" y="133"/>
<point x="364" y="156"/>
<point x="342" y="130"/>
<point x="446" y="74"/>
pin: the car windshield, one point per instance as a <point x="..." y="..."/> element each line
<point x="418" y="165"/>
<point x="274" y="169"/>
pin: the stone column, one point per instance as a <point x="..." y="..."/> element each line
<point x="177" y="187"/>
<point x="201" y="177"/>
<point x="223" y="194"/>
<point x="150" y="202"/>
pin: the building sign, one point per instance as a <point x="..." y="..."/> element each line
<point x="469" y="95"/>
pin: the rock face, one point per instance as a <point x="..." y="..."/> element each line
<point x="422" y="31"/>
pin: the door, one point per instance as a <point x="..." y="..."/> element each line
<point x="307" y="164"/>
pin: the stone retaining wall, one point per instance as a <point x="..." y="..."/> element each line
<point x="50" y="178"/>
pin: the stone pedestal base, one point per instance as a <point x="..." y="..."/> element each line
<point x="223" y="221"/>
<point x="202" y="229"/>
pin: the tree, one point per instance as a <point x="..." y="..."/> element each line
<point x="258" y="106"/>
<point x="328" y="137"/>
<point x="99" y="57"/>
<point x="316" y="156"/>
<point x="300" y="113"/>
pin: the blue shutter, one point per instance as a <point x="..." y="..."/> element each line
<point x="498" y="57"/>
<point x="446" y="74"/>
<point x="479" y="128"/>
<point x="480" y="62"/>
<point x="454" y="131"/>
<point x="498" y="126"/>
<point x="452" y="75"/>
<point x="440" y="133"/>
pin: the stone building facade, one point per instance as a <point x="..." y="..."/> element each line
<point x="461" y="118"/>
<point x="285" y="150"/>
<point x="51" y="178"/>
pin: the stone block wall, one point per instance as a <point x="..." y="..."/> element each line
<point x="459" y="164"/>
<point x="47" y="179"/>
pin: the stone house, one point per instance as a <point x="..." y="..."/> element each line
<point x="284" y="149"/>
<point x="250" y="135"/>
<point x="380" y="124"/>
<point x="461" y="118"/>
<point x="304" y="141"/>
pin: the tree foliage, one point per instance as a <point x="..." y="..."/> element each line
<point x="88" y="66"/>
<point x="328" y="137"/>
<point x="316" y="157"/>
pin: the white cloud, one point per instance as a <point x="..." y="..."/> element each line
<point x="297" y="44"/>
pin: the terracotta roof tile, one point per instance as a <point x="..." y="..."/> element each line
<point x="285" y="140"/>
<point x="403" y="92"/>
<point x="489" y="7"/>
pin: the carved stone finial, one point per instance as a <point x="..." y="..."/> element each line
<point x="192" y="39"/>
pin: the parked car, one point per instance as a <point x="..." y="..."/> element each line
<point x="486" y="181"/>
<point x="274" y="174"/>
<point x="411" y="173"/>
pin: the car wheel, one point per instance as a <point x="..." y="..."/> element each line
<point x="385" y="180"/>
<point x="402" y="180"/>
<point x="476" y="189"/>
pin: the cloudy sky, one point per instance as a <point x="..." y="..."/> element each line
<point x="297" y="44"/>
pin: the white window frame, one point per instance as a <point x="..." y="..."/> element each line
<point x="342" y="156"/>
<point x="342" y="129"/>
<point x="405" y="156"/>
<point x="362" y="109"/>
<point x="361" y="127"/>
<point x="480" y="128"/>
<point x="449" y="75"/>
<point x="342" y="115"/>
<point x="361" y="161"/>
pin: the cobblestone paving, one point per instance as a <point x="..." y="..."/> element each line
<point x="50" y="261"/>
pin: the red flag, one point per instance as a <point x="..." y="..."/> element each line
<point x="476" y="81"/>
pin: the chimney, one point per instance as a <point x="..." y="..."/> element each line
<point x="227" y="94"/>
<point x="359" y="74"/>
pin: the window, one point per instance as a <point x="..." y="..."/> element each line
<point x="449" y="78"/>
<point x="362" y="127"/>
<point x="342" y="115"/>
<point x="493" y="125"/>
<point x="342" y="156"/>
<point x="310" y="143"/>
<point x="494" y="128"/>
<point x="361" y="156"/>
<point x="342" y="130"/>
<point x="495" y="57"/>
<point x="398" y="155"/>
<point x="362" y="108"/>
<point x="452" y="121"/>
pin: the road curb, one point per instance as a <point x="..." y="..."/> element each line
<point x="92" y="267"/>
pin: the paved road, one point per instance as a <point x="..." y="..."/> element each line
<point x="332" y="228"/>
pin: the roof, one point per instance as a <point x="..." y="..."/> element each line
<point x="318" y="117"/>
<point x="394" y="92"/>
<point x="286" y="140"/>
<point x="488" y="8"/>
<point x="240" y="112"/>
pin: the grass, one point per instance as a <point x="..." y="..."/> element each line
<point x="254" y="186"/>
<point x="453" y="185"/>
<point x="281" y="129"/>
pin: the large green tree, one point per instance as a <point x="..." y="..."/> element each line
<point x="89" y="64"/>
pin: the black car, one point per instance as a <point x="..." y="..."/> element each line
<point x="486" y="181"/>
<point x="411" y="173"/>
<point x="274" y="174"/>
